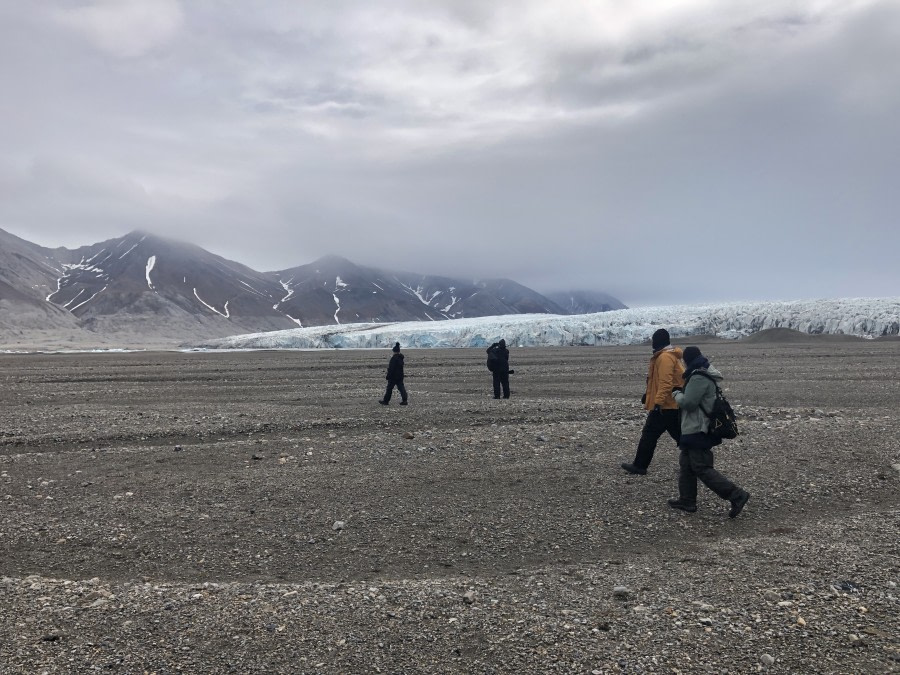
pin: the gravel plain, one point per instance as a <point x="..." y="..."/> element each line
<point x="259" y="512"/>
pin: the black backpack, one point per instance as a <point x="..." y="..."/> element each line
<point x="722" y="420"/>
<point x="492" y="359"/>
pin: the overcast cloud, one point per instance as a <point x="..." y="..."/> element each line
<point x="666" y="151"/>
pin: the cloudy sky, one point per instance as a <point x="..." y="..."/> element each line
<point x="664" y="151"/>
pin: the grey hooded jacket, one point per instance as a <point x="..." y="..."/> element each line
<point x="699" y="392"/>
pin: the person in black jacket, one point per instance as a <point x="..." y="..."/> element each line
<point x="498" y="361"/>
<point x="394" y="377"/>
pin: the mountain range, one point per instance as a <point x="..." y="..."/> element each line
<point x="148" y="290"/>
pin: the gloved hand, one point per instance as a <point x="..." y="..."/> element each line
<point x="644" y="398"/>
<point x="511" y="371"/>
<point x="674" y="389"/>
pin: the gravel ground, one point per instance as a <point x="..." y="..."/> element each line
<point x="260" y="512"/>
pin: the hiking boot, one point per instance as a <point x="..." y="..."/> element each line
<point x="383" y="402"/>
<point x="631" y="468"/>
<point x="683" y="505"/>
<point x="738" y="503"/>
<point x="403" y="403"/>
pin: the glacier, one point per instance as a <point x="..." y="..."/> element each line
<point x="864" y="317"/>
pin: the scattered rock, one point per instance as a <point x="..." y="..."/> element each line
<point x="338" y="525"/>
<point x="469" y="597"/>
<point x="621" y="592"/>
<point x="408" y="435"/>
<point x="772" y="596"/>
<point x="178" y="448"/>
<point x="767" y="660"/>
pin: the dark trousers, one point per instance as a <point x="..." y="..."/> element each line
<point x="655" y="426"/>
<point x="698" y="463"/>
<point x="501" y="380"/>
<point x="390" y="390"/>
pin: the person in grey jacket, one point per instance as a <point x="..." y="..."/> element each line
<point x="696" y="460"/>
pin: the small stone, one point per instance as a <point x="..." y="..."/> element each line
<point x="469" y="597"/>
<point x="706" y="621"/>
<point x="408" y="435"/>
<point x="896" y="467"/>
<point x="771" y="596"/>
<point x="801" y="621"/>
<point x="621" y="592"/>
<point x="785" y="603"/>
<point x="767" y="660"/>
<point x="338" y="525"/>
<point x="256" y="457"/>
<point x="178" y="448"/>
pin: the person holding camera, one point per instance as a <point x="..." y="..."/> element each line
<point x="394" y="377"/>
<point x="498" y="364"/>
<point x="665" y="373"/>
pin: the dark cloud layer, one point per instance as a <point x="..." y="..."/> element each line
<point x="670" y="152"/>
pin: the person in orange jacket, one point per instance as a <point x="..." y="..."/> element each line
<point x="666" y="373"/>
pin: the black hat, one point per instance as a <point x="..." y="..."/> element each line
<point x="691" y="354"/>
<point x="660" y="339"/>
<point x="396" y="347"/>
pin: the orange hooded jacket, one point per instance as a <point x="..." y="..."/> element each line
<point x="666" y="371"/>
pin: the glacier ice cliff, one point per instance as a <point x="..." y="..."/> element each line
<point x="865" y="317"/>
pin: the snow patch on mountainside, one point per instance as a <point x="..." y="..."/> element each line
<point x="151" y="261"/>
<point x="129" y="250"/>
<point x="80" y="304"/>
<point x="867" y="317"/>
<point x="206" y="304"/>
<point x="417" y="291"/>
<point x="73" y="273"/>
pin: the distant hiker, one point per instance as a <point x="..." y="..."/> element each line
<point x="665" y="373"/>
<point x="696" y="460"/>
<point x="498" y="364"/>
<point x="394" y="377"/>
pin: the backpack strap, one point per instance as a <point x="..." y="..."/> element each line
<point x="711" y="379"/>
